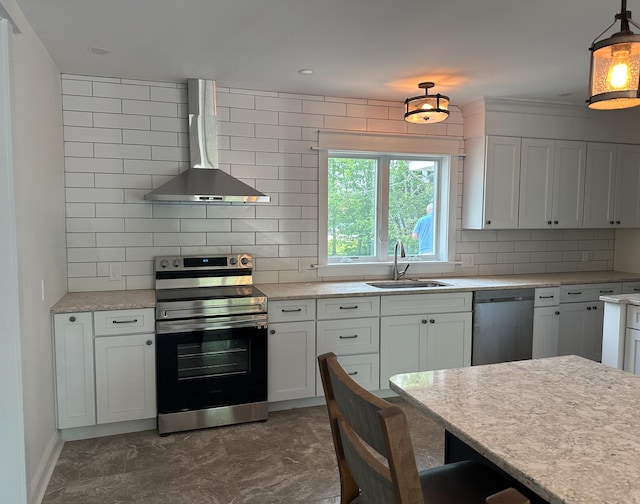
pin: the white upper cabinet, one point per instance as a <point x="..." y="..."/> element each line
<point x="492" y="183"/>
<point x="612" y="186"/>
<point x="552" y="174"/>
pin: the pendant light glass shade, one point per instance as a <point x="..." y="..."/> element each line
<point x="615" y="67"/>
<point x="426" y="109"/>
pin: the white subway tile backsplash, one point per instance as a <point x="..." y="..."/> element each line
<point x="91" y="104"/>
<point x="121" y="151"/>
<point x="71" y="118"/>
<point x="149" y="108"/>
<point x="121" y="121"/>
<point x="171" y="95"/>
<point x="92" y="165"/>
<point x="80" y="134"/>
<point x="125" y="136"/>
<point x="129" y="91"/>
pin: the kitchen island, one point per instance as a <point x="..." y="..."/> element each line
<point x="567" y="428"/>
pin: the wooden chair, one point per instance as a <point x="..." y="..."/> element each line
<point x="376" y="459"/>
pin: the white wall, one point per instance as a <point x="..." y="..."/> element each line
<point x="125" y="137"/>
<point x="39" y="205"/>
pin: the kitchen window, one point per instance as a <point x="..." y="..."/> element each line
<point x="370" y="199"/>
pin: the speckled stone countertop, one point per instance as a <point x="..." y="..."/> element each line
<point x="284" y="291"/>
<point x="566" y="427"/>
<point x="75" y="302"/>
<point x="632" y="299"/>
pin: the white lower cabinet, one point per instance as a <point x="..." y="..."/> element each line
<point x="105" y="367"/>
<point x="423" y="342"/>
<point x="125" y="377"/>
<point x="75" y="389"/>
<point x="356" y="342"/>
<point x="580" y="329"/>
<point x="292" y="356"/>
<point x="546" y="322"/>
<point x="632" y="340"/>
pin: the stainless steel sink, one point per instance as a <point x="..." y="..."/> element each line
<point x="409" y="283"/>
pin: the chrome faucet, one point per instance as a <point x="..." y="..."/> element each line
<point x="398" y="274"/>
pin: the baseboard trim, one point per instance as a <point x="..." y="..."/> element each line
<point x="40" y="480"/>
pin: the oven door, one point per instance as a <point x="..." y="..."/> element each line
<point x="210" y="363"/>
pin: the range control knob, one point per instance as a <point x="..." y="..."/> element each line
<point x="233" y="261"/>
<point x="176" y="263"/>
<point x="244" y="261"/>
<point x="164" y="263"/>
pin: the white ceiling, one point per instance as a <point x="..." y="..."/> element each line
<point x="379" y="49"/>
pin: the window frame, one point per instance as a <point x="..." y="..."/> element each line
<point x="447" y="149"/>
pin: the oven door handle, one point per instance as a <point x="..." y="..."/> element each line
<point x="208" y="324"/>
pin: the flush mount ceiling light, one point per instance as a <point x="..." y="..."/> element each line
<point x="427" y="108"/>
<point x="615" y="66"/>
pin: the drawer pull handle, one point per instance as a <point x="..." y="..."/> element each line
<point x="354" y="307"/>
<point x="348" y="337"/>
<point x="574" y="293"/>
<point x="556" y="313"/>
<point x="72" y="319"/>
<point x="134" y="321"/>
<point x="636" y="289"/>
<point x="610" y="291"/>
<point x="352" y="373"/>
<point x="149" y="342"/>
<point x="291" y="310"/>
<point x="546" y="297"/>
<point x="588" y="308"/>
<point x="595" y="307"/>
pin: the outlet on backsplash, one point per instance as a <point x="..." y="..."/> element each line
<point x="115" y="271"/>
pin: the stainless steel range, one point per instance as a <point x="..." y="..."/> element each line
<point x="211" y="351"/>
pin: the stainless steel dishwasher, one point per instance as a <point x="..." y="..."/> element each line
<point x="502" y="326"/>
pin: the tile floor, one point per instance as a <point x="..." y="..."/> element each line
<point x="287" y="459"/>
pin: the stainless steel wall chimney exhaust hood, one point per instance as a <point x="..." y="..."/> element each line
<point x="203" y="182"/>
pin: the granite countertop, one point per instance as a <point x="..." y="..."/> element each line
<point x="632" y="299"/>
<point x="566" y="427"/>
<point x="284" y="291"/>
<point x="75" y="302"/>
<point x="132" y="299"/>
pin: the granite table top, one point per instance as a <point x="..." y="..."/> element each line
<point x="566" y="427"/>
<point x="632" y="299"/>
<point x="75" y="302"/>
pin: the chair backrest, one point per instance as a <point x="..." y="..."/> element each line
<point x="372" y="441"/>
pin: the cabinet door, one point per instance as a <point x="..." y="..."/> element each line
<point x="536" y="183"/>
<point x="399" y="346"/>
<point x="599" y="188"/>
<point x="125" y="377"/>
<point x="632" y="351"/>
<point x="580" y="329"/>
<point x="627" y="203"/>
<point x="292" y="360"/>
<point x="75" y="396"/>
<point x="448" y="341"/>
<point x="546" y="322"/>
<point x="568" y="184"/>
<point x="502" y="183"/>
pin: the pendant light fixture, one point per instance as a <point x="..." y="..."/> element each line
<point x="426" y="109"/>
<point x="615" y="66"/>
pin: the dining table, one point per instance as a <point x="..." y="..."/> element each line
<point x="565" y="429"/>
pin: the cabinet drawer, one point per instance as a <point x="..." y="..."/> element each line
<point x="348" y="307"/>
<point x="113" y="322"/>
<point x="343" y="337"/>
<point x="633" y="317"/>
<point x="587" y="292"/>
<point x="364" y="369"/>
<point x="416" y="304"/>
<point x="547" y="296"/>
<point x="292" y="311"/>
<point x="631" y="287"/>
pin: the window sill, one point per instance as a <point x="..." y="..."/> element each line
<point x="416" y="268"/>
